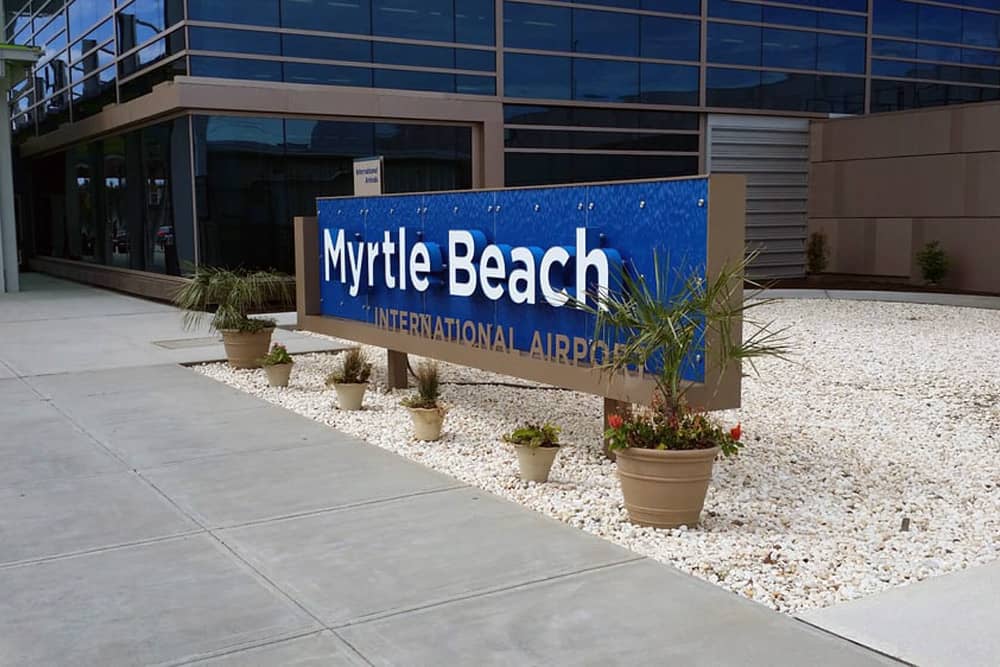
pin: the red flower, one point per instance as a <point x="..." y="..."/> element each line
<point x="736" y="432"/>
<point x="615" y="421"/>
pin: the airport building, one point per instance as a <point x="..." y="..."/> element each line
<point x="157" y="133"/>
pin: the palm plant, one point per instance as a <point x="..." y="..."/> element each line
<point x="234" y="294"/>
<point x="660" y="328"/>
<point x="428" y="381"/>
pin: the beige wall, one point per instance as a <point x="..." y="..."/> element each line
<point x="882" y="186"/>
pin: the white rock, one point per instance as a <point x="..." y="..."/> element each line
<point x="891" y="413"/>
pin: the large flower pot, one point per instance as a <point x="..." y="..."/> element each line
<point x="245" y="349"/>
<point x="278" y="374"/>
<point x="427" y="423"/>
<point x="535" y="462"/>
<point x="665" y="489"/>
<point x="350" y="396"/>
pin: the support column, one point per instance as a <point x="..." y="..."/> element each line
<point x="396" y="377"/>
<point x="9" y="281"/>
<point x="613" y="407"/>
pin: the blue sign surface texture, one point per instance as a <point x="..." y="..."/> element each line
<point x="496" y="269"/>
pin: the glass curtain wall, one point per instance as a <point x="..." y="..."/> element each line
<point x="253" y="175"/>
<point x="94" y="53"/>
<point x="124" y="201"/>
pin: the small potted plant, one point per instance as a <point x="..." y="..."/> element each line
<point x="234" y="294"/>
<point x="426" y="411"/>
<point x="351" y="379"/>
<point x="665" y="452"/>
<point x="536" y="448"/>
<point x="278" y="365"/>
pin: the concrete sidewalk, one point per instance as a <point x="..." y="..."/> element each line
<point x="949" y="620"/>
<point x="152" y="516"/>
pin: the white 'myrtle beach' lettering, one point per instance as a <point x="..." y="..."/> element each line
<point x="473" y="264"/>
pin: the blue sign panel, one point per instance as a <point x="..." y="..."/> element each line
<point x="498" y="269"/>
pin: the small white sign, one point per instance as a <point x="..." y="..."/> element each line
<point x="367" y="176"/>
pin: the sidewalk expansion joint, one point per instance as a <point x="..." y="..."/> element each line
<point x="852" y="641"/>
<point x="486" y="592"/>
<point x="336" y="508"/>
<point x="106" y="548"/>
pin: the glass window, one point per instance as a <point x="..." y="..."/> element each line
<point x="474" y="22"/>
<point x="537" y="27"/>
<point x="83" y="234"/>
<point x="936" y="52"/>
<point x="670" y="39"/>
<point x="485" y="61"/>
<point x="980" y="29"/>
<point x="475" y="85"/>
<point x="326" y="48"/>
<point x="672" y="6"/>
<point x="352" y="16"/>
<point x="727" y="9"/>
<point x="895" y="17"/>
<point x="240" y="187"/>
<point x="252" y="175"/>
<point x="840" y="53"/>
<point x="520" y="114"/>
<point x="734" y="44"/>
<point x="414" y="19"/>
<point x="85" y="13"/>
<point x="733" y="88"/>
<point x="411" y="80"/>
<point x="236" y="41"/>
<point x="893" y="48"/>
<point x="977" y="57"/>
<point x="158" y="237"/>
<point x="939" y="23"/>
<point x="114" y="184"/>
<point x="422" y="158"/>
<point x="235" y="68"/>
<point x="251" y="12"/>
<point x="842" y="22"/>
<point x="330" y="75"/>
<point x="607" y="80"/>
<point x="794" y="49"/>
<point x="668" y="84"/>
<point x="608" y="33"/>
<point x="545" y="77"/>
<point x="838" y="94"/>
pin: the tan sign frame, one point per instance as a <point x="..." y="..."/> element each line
<point x="726" y="214"/>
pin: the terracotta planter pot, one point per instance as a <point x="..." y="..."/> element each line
<point x="535" y="462"/>
<point x="278" y="374"/>
<point x="243" y="349"/>
<point x="665" y="489"/>
<point x="427" y="423"/>
<point x="350" y="396"/>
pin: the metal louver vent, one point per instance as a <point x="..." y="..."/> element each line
<point x="773" y="153"/>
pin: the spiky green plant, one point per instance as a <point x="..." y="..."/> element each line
<point x="659" y="328"/>
<point x="534" y="435"/>
<point x="933" y="262"/>
<point x="428" y="378"/>
<point x="354" y="368"/>
<point x="234" y="294"/>
<point x="817" y="253"/>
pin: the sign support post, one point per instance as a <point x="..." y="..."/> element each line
<point x="369" y="180"/>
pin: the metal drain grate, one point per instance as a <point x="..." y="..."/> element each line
<point x="185" y="343"/>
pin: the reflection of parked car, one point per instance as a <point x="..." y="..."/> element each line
<point x="119" y="243"/>
<point x="164" y="235"/>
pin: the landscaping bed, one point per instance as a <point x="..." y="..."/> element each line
<point x="871" y="462"/>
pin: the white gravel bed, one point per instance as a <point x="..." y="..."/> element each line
<point x="891" y="413"/>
